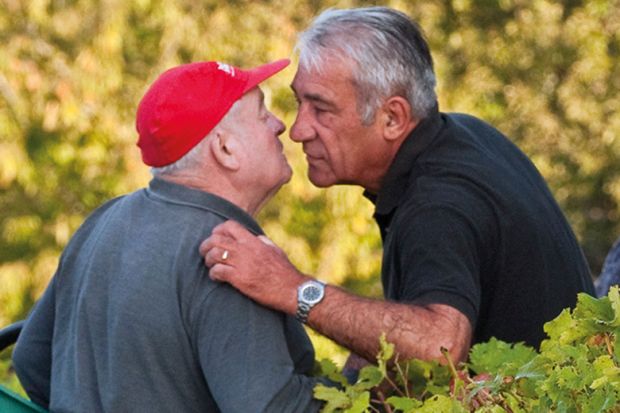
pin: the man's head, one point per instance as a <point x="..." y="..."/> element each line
<point x="210" y="114"/>
<point x="360" y="72"/>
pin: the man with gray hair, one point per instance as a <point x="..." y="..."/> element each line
<point x="131" y="322"/>
<point x="474" y="244"/>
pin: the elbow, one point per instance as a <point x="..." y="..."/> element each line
<point x="18" y="358"/>
<point x="446" y="336"/>
<point x="454" y="334"/>
<point x="453" y="352"/>
<point x="33" y="374"/>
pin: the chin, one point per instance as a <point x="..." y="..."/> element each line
<point x="286" y="176"/>
<point x="320" y="181"/>
<point x="288" y="173"/>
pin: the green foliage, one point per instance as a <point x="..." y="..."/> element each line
<point x="576" y="370"/>
<point x="499" y="356"/>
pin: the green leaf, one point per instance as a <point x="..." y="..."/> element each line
<point x="599" y="401"/>
<point x="614" y="300"/>
<point x="404" y="404"/>
<point x="327" y="368"/>
<point x="499" y="357"/>
<point x="369" y="376"/>
<point x="441" y="404"/>
<point x="385" y="354"/>
<point x="532" y="370"/>
<point x="428" y="376"/>
<point x="597" y="311"/>
<point x="561" y="329"/>
<point x="360" y="404"/>
<point x="334" y="398"/>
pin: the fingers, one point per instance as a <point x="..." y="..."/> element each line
<point x="216" y="240"/>
<point x="224" y="237"/>
<point x="217" y="249"/>
<point x="218" y="255"/>
<point x="220" y="272"/>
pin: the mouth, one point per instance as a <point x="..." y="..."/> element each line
<point x="311" y="157"/>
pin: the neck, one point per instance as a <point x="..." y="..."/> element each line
<point x="374" y="186"/>
<point x="221" y="186"/>
<point x="385" y="160"/>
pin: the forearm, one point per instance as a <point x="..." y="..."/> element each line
<point x="417" y="332"/>
<point x="357" y="323"/>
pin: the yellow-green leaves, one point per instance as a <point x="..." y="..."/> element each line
<point x="577" y="370"/>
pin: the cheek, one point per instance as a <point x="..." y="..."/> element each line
<point x="336" y="156"/>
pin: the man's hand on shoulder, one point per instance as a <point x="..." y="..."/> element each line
<point x="253" y="265"/>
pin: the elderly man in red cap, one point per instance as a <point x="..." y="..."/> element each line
<point x="130" y="322"/>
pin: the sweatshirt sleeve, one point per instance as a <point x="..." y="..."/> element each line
<point x="32" y="355"/>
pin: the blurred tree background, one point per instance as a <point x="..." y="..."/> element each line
<point x="546" y="73"/>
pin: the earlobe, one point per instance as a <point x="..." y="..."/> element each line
<point x="224" y="150"/>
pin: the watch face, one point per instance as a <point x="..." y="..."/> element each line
<point x="312" y="293"/>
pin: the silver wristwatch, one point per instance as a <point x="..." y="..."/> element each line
<point x="309" y="294"/>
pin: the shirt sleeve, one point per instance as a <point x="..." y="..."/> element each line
<point x="439" y="260"/>
<point x="244" y="354"/>
<point x="32" y="355"/>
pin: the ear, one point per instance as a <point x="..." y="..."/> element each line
<point x="396" y="118"/>
<point x="225" y="150"/>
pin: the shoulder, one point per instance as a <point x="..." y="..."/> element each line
<point x="439" y="192"/>
<point x="92" y="220"/>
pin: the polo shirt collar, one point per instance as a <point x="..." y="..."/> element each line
<point x="395" y="180"/>
<point x="173" y="193"/>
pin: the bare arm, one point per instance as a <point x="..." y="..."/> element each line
<point x="263" y="272"/>
<point x="416" y="331"/>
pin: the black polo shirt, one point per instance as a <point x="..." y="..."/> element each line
<point x="468" y="221"/>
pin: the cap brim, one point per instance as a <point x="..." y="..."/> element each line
<point x="261" y="73"/>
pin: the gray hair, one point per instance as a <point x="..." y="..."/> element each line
<point x="192" y="158"/>
<point x="389" y="49"/>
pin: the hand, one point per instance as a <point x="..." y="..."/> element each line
<point x="253" y="265"/>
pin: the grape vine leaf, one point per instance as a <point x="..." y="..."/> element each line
<point x="334" y="398"/>
<point x="404" y="404"/>
<point x="499" y="357"/>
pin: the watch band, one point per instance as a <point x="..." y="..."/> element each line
<point x="303" y="310"/>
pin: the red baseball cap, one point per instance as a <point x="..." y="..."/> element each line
<point x="186" y="102"/>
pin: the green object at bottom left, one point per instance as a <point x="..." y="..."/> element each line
<point x="13" y="403"/>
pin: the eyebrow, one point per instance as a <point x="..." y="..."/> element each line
<point x="314" y="98"/>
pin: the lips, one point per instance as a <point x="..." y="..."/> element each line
<point x="313" y="159"/>
<point x="312" y="156"/>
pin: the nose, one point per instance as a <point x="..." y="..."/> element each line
<point x="280" y="127"/>
<point x="301" y="130"/>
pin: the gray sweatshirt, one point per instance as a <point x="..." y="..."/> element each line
<point x="131" y="322"/>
